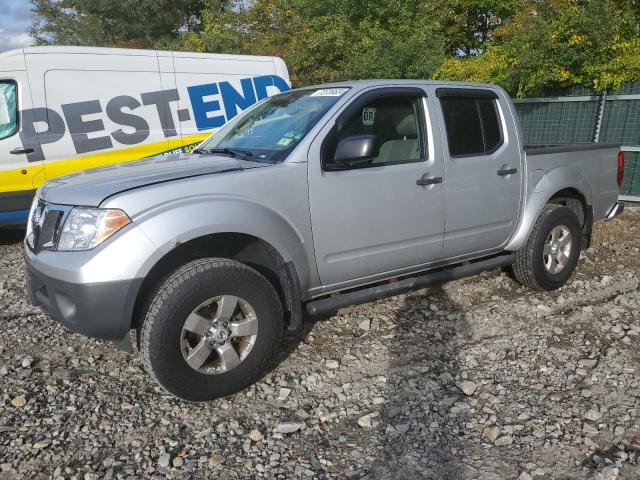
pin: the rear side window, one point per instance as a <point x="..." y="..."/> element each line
<point x="8" y="109"/>
<point x="472" y="124"/>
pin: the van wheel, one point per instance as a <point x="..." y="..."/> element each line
<point x="551" y="254"/>
<point x="210" y="329"/>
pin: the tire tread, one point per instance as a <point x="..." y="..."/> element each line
<point x="524" y="266"/>
<point x="161" y="298"/>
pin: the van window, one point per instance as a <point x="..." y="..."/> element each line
<point x="472" y="125"/>
<point x="8" y="109"/>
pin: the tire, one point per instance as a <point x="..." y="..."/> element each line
<point x="536" y="267"/>
<point x="167" y="340"/>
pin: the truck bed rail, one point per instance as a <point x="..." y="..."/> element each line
<point x="543" y="149"/>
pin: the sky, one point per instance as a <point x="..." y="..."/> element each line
<point x="15" y="20"/>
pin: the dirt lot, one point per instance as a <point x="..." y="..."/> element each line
<point x="478" y="379"/>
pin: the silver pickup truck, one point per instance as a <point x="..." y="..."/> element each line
<point x="309" y="201"/>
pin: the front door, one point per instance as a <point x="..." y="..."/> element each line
<point x="19" y="176"/>
<point x="386" y="215"/>
<point x="483" y="171"/>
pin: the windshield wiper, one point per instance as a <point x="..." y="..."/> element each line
<point x="231" y="152"/>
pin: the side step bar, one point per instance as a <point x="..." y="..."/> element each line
<point x="369" y="294"/>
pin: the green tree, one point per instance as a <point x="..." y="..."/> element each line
<point x="527" y="46"/>
<point x="330" y="40"/>
<point x="554" y="44"/>
<point x="120" y="23"/>
<point x="469" y="25"/>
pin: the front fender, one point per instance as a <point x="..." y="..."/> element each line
<point x="542" y="187"/>
<point x="191" y="218"/>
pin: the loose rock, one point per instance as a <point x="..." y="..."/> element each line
<point x="366" y="421"/>
<point x="19" y="401"/>
<point x="467" y="387"/>
<point x="217" y="459"/>
<point x="288" y="427"/>
<point x="333" y="364"/>
<point x="163" y="460"/>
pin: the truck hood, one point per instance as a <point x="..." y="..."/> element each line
<point x="92" y="187"/>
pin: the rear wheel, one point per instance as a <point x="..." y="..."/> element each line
<point x="551" y="254"/>
<point x="210" y="329"/>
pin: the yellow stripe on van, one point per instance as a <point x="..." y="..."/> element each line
<point x="13" y="180"/>
<point x="21" y="179"/>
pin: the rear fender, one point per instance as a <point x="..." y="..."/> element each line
<point x="542" y="187"/>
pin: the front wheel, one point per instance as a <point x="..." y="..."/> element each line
<point x="551" y="254"/>
<point x="210" y="329"/>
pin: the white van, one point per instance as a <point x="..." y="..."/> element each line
<point x="65" y="109"/>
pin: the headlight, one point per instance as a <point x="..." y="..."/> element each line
<point x="86" y="228"/>
<point x="34" y="218"/>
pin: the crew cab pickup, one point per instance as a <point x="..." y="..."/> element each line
<point x="311" y="200"/>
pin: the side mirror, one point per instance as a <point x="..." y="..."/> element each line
<point x="355" y="150"/>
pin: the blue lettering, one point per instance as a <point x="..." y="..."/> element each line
<point x="202" y="108"/>
<point x="252" y="90"/>
<point x="279" y="83"/>
<point x="261" y="84"/>
<point x="232" y="99"/>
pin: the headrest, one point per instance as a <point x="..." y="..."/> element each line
<point x="406" y="124"/>
<point x="400" y="119"/>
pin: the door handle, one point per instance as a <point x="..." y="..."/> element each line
<point x="507" y="171"/>
<point x="18" y="151"/>
<point x="428" y="181"/>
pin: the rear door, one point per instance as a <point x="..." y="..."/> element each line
<point x="19" y="176"/>
<point x="376" y="219"/>
<point x="483" y="170"/>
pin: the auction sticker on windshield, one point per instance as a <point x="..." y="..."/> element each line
<point x="329" y="92"/>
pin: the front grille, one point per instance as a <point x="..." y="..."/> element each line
<point x="47" y="237"/>
<point x="46" y="224"/>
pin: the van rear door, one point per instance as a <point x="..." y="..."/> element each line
<point x="19" y="176"/>
<point x="97" y="109"/>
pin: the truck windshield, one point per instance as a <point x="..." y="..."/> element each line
<point x="272" y="129"/>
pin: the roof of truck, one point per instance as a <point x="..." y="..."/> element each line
<point x="385" y="82"/>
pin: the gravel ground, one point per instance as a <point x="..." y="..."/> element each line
<point x="480" y="378"/>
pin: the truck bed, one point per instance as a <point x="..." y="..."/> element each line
<point x="596" y="163"/>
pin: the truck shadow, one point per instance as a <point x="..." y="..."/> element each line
<point x="418" y="427"/>
<point x="422" y="423"/>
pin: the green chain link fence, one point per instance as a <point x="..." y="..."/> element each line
<point x="578" y="115"/>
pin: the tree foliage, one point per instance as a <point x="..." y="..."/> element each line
<point x="113" y="23"/>
<point x="468" y="25"/>
<point x="527" y="46"/>
<point x="330" y="40"/>
<point x="555" y="44"/>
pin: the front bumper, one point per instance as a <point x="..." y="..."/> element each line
<point x="615" y="210"/>
<point x="100" y="310"/>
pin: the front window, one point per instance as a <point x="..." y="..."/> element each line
<point x="8" y="109"/>
<point x="272" y="129"/>
<point x="395" y="121"/>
